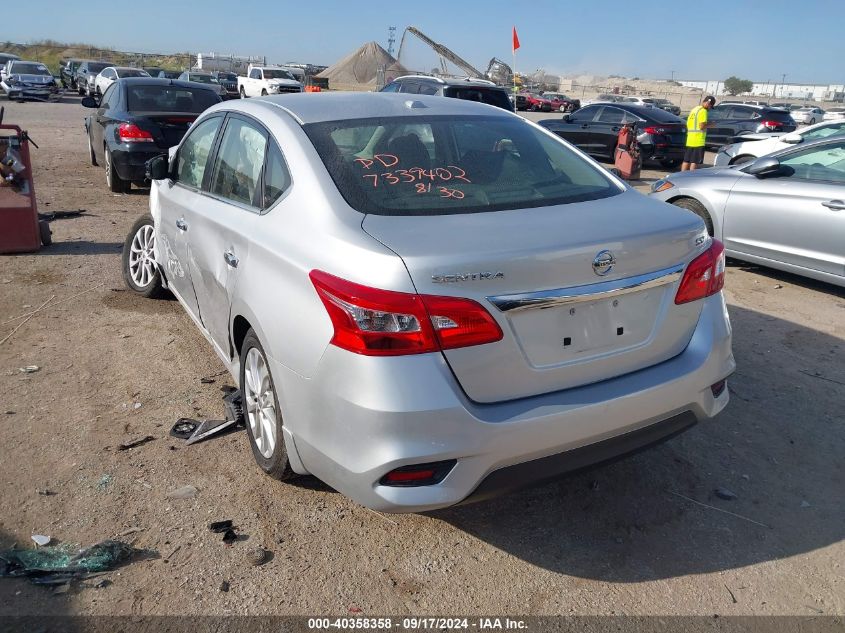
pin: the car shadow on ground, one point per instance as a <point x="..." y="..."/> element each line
<point x="777" y="446"/>
<point x="786" y="277"/>
<point x="81" y="247"/>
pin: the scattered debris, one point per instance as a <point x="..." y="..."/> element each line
<point x="820" y="377"/>
<point x="724" y="493"/>
<point x="105" y="482"/>
<point x="224" y="586"/>
<point x="136" y="406"/>
<point x="58" y="565"/>
<point x="733" y="514"/>
<point x="185" y="492"/>
<point x="594" y="485"/>
<point x="184" y="428"/>
<point x="234" y="406"/>
<point x="778" y="286"/>
<point x="10" y="412"/>
<point x="355" y="610"/>
<point x="207" y="428"/>
<point x="131" y="530"/>
<point x="746" y="477"/>
<point x="207" y="381"/>
<point x="62" y="588"/>
<point x="733" y="597"/>
<point x="805" y="504"/>
<point x="230" y="536"/>
<point x="26" y="317"/>
<point x="105" y="582"/>
<point x="29" y="369"/>
<point x="40" y="539"/>
<point x="171" y="554"/>
<point x="60" y="215"/>
<point x="134" y="443"/>
<point x="220" y="526"/>
<point x="45" y="492"/>
<point x="257" y="556"/>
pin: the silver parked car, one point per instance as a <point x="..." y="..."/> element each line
<point x="426" y="299"/>
<point x="785" y="210"/>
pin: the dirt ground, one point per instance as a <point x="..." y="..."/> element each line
<point x="646" y="535"/>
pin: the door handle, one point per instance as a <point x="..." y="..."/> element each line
<point x="585" y="126"/>
<point x="181" y="224"/>
<point x="614" y="129"/>
<point x="835" y="205"/>
<point x="230" y="259"/>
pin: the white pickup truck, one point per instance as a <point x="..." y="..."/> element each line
<point x="267" y="80"/>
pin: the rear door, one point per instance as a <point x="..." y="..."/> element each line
<point x="102" y="119"/>
<point x="604" y="132"/>
<point x="217" y="241"/>
<point x="718" y="125"/>
<point x="796" y="218"/>
<point x="179" y="201"/>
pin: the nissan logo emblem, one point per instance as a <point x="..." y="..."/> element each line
<point x="603" y="263"/>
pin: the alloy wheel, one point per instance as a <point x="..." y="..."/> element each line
<point x="260" y="402"/>
<point x="142" y="264"/>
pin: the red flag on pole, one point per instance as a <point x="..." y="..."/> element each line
<point x="515" y="40"/>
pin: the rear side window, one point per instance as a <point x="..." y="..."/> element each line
<point x="452" y="164"/>
<point x="276" y="176"/>
<point x="498" y="98"/>
<point x="193" y="154"/>
<point x="237" y="169"/>
<point x="611" y="115"/>
<point x="169" y="99"/>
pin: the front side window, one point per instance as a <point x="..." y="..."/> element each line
<point x="237" y="169"/>
<point x="452" y="164"/>
<point x="391" y="87"/>
<point x="816" y="163"/>
<point x="255" y="74"/>
<point x="584" y="114"/>
<point x="193" y="155"/>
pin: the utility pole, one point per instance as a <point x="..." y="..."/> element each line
<point x="673" y="75"/>
<point x="391" y="39"/>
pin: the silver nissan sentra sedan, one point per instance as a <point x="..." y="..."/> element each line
<point x="431" y="300"/>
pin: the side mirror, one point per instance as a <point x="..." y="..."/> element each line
<point x="791" y="138"/>
<point x="90" y="102"/>
<point x="615" y="171"/>
<point x="157" y="168"/>
<point x="566" y="116"/>
<point x="765" y="166"/>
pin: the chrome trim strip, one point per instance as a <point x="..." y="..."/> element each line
<point x="589" y="292"/>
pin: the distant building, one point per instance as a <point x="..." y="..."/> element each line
<point x="775" y="90"/>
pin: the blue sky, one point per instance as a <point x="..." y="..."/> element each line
<point x="697" y="39"/>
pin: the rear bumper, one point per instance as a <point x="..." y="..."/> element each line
<point x="360" y="417"/>
<point x="130" y="164"/>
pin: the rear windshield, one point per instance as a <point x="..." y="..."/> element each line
<point x="656" y="114"/>
<point x="170" y="99"/>
<point x="203" y="79"/>
<point x="96" y="67"/>
<point x="779" y="115"/>
<point x="227" y="77"/>
<point x="498" y="98"/>
<point x="24" y="68"/>
<point x="441" y="165"/>
<point x="123" y="73"/>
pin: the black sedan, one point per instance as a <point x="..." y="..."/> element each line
<point x="137" y="119"/>
<point x="727" y="121"/>
<point x="595" y="128"/>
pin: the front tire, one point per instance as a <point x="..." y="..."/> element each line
<point x="690" y="204"/>
<point x="812" y="121"/>
<point x="243" y="93"/>
<point x="141" y="272"/>
<point x="262" y="412"/>
<point x="115" y="183"/>
<point x="263" y="92"/>
<point x="562" y="108"/>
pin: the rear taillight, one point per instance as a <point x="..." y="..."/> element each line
<point x="131" y="133"/>
<point x="772" y="125"/>
<point x="378" y="322"/>
<point x="418" y="474"/>
<point x="653" y="129"/>
<point x="704" y="276"/>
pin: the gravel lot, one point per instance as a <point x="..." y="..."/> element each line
<point x="642" y="536"/>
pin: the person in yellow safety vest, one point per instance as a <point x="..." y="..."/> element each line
<point x="696" y="134"/>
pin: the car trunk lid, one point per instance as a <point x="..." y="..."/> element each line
<point x="167" y="128"/>
<point x="564" y="325"/>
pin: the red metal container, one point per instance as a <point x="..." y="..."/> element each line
<point x="19" y="229"/>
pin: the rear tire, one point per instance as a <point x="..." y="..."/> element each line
<point x="114" y="182"/>
<point x="262" y="412"/>
<point x="670" y="163"/>
<point x="263" y="92"/>
<point x="691" y="204"/>
<point x="141" y="272"/>
<point x="562" y="108"/>
<point x="91" y="155"/>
